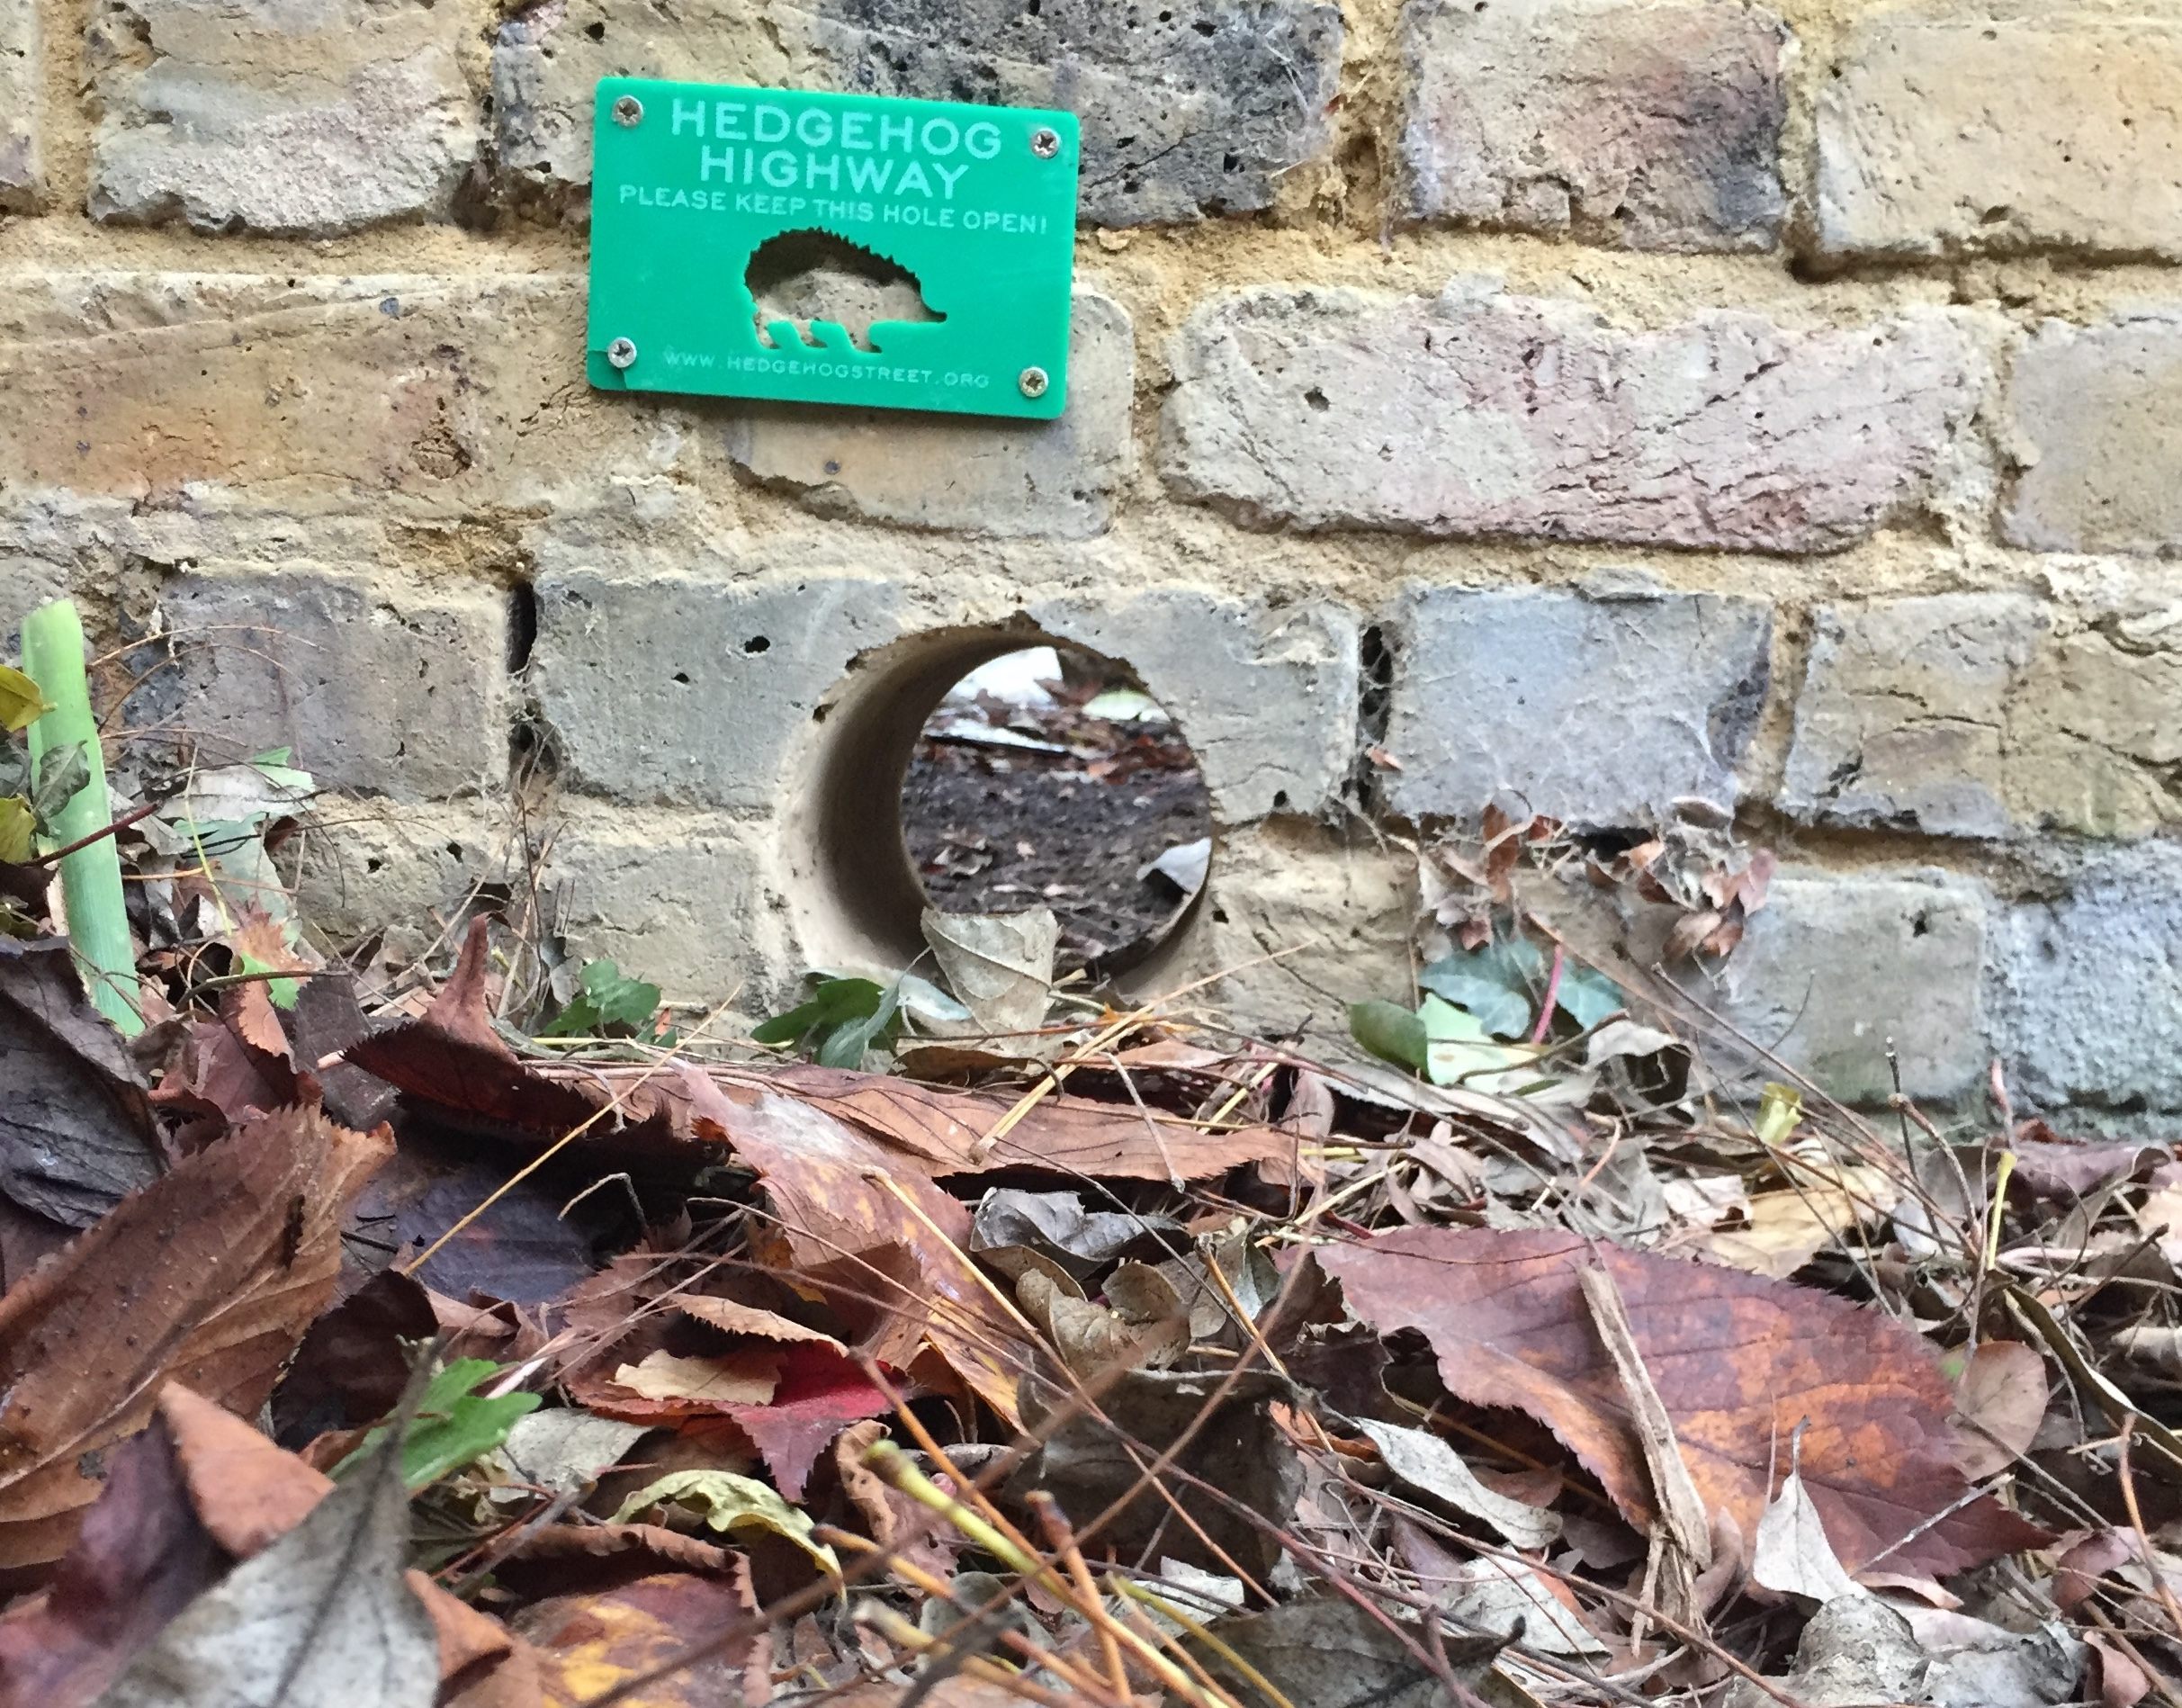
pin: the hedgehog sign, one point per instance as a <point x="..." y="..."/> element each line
<point x="831" y="249"/>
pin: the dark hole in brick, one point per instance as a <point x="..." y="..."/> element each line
<point x="596" y="32"/>
<point x="1231" y="163"/>
<point x="1921" y="925"/>
<point x="455" y="849"/>
<point x="756" y="644"/>
<point x="1317" y="399"/>
<point x="1206" y="27"/>
<point x="522" y="625"/>
<point x="1049" y="778"/>
<point x="682" y="676"/>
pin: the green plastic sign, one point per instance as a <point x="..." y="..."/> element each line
<point x="831" y="249"/>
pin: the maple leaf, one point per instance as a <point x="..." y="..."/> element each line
<point x="1739" y="1359"/>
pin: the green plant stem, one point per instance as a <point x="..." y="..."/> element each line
<point x="91" y="874"/>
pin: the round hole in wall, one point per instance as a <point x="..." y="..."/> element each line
<point x="994" y="770"/>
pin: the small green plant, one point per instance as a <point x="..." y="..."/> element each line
<point x="610" y="1005"/>
<point x="454" y="1424"/>
<point x="844" y="1019"/>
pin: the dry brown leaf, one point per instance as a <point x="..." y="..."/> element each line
<point x="1739" y="1362"/>
<point x="1791" y="1226"/>
<point x="208" y="1277"/>
<point x="599" y="1542"/>
<point x="2000" y="1402"/>
<point x="739" y="1318"/>
<point x="591" y="1643"/>
<point x="726" y="1379"/>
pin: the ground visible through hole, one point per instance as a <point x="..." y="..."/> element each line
<point x="1017" y="799"/>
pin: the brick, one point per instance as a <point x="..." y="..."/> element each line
<point x="266" y="116"/>
<point x="680" y="901"/>
<point x="660" y="685"/>
<point x="963" y="472"/>
<point x="1478" y="414"/>
<point x="1952" y="132"/>
<point x="1264" y="694"/>
<point x="22" y="108"/>
<point x="1191" y="109"/>
<point x="2087" y="987"/>
<point x="362" y="867"/>
<point x="1971" y="714"/>
<point x="381" y="686"/>
<point x="1596" y="708"/>
<point x="1834" y="966"/>
<point x="2089" y="419"/>
<point x="403" y="392"/>
<point x="1641" y="126"/>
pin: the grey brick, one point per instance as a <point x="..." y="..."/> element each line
<point x="1642" y="126"/>
<point x="1946" y="131"/>
<point x="1600" y="710"/>
<point x="363" y="865"/>
<point x="1264" y="694"/>
<point x="681" y="901"/>
<point x="22" y="108"/>
<point x="1188" y="108"/>
<point x="1834" y="966"/>
<point x="1479" y="414"/>
<point x="2090" y="418"/>
<point x="963" y="472"/>
<point x="1974" y="715"/>
<point x="2087" y="988"/>
<point x="380" y="685"/>
<point x="279" y="117"/>
<point x="692" y="690"/>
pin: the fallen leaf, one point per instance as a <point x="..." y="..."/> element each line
<point x="352" y="1365"/>
<point x="1057" y="1225"/>
<point x="75" y="1132"/>
<point x="321" y="1619"/>
<point x="1331" y="1653"/>
<point x="820" y="1393"/>
<point x="1791" y="1226"/>
<point x="1793" y="1554"/>
<point x="607" y="1541"/>
<point x="1000" y="965"/>
<point x="208" y="1277"/>
<point x="565" y="1449"/>
<point x="895" y="1520"/>
<point x="729" y="1379"/>
<point x="1426" y="1461"/>
<point x="738" y="1318"/>
<point x="728" y="1503"/>
<point x="2000" y="1402"/>
<point x="593" y="1644"/>
<point x="1739" y="1360"/>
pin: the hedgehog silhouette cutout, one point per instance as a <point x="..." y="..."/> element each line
<point x="814" y="289"/>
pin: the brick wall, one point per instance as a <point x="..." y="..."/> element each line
<point x="1780" y="406"/>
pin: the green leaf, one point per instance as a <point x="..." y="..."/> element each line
<point x="21" y="703"/>
<point x="452" y="1426"/>
<point x="846" y="1045"/>
<point x="729" y="1503"/>
<point x="18" y="827"/>
<point x="833" y="1001"/>
<point x="1780" y="1112"/>
<point x="1457" y="1048"/>
<point x="1589" y="996"/>
<point x="610" y="999"/>
<point x="1501" y="1012"/>
<point x="62" y="777"/>
<point x="281" y="993"/>
<point x="1390" y="1031"/>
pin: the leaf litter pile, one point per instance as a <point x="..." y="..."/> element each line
<point x="383" y="1336"/>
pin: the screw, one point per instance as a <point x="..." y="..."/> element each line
<point x="1045" y="143"/>
<point x="621" y="353"/>
<point x="1032" y="383"/>
<point x="627" y="110"/>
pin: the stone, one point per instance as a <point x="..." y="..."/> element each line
<point x="1596" y="708"/>
<point x="1902" y="721"/>
<point x="380" y="685"/>
<point x="1976" y="714"/>
<point x="399" y="393"/>
<point x="1189" y="109"/>
<point x="22" y="108"/>
<point x="2012" y="128"/>
<point x="692" y="688"/>
<point x="1265" y="695"/>
<point x="1640" y="126"/>
<point x="362" y="865"/>
<point x="305" y="118"/>
<point x="1478" y="414"/>
<point x="967" y="473"/>
<point x="2089" y="419"/>
<point x="680" y="901"/>
<point x="2086" y="988"/>
<point x="1834" y="966"/>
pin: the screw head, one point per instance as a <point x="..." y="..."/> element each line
<point x="621" y="353"/>
<point x="1045" y="142"/>
<point x="1032" y="383"/>
<point x="627" y="110"/>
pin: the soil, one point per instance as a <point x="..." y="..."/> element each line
<point x="997" y="829"/>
